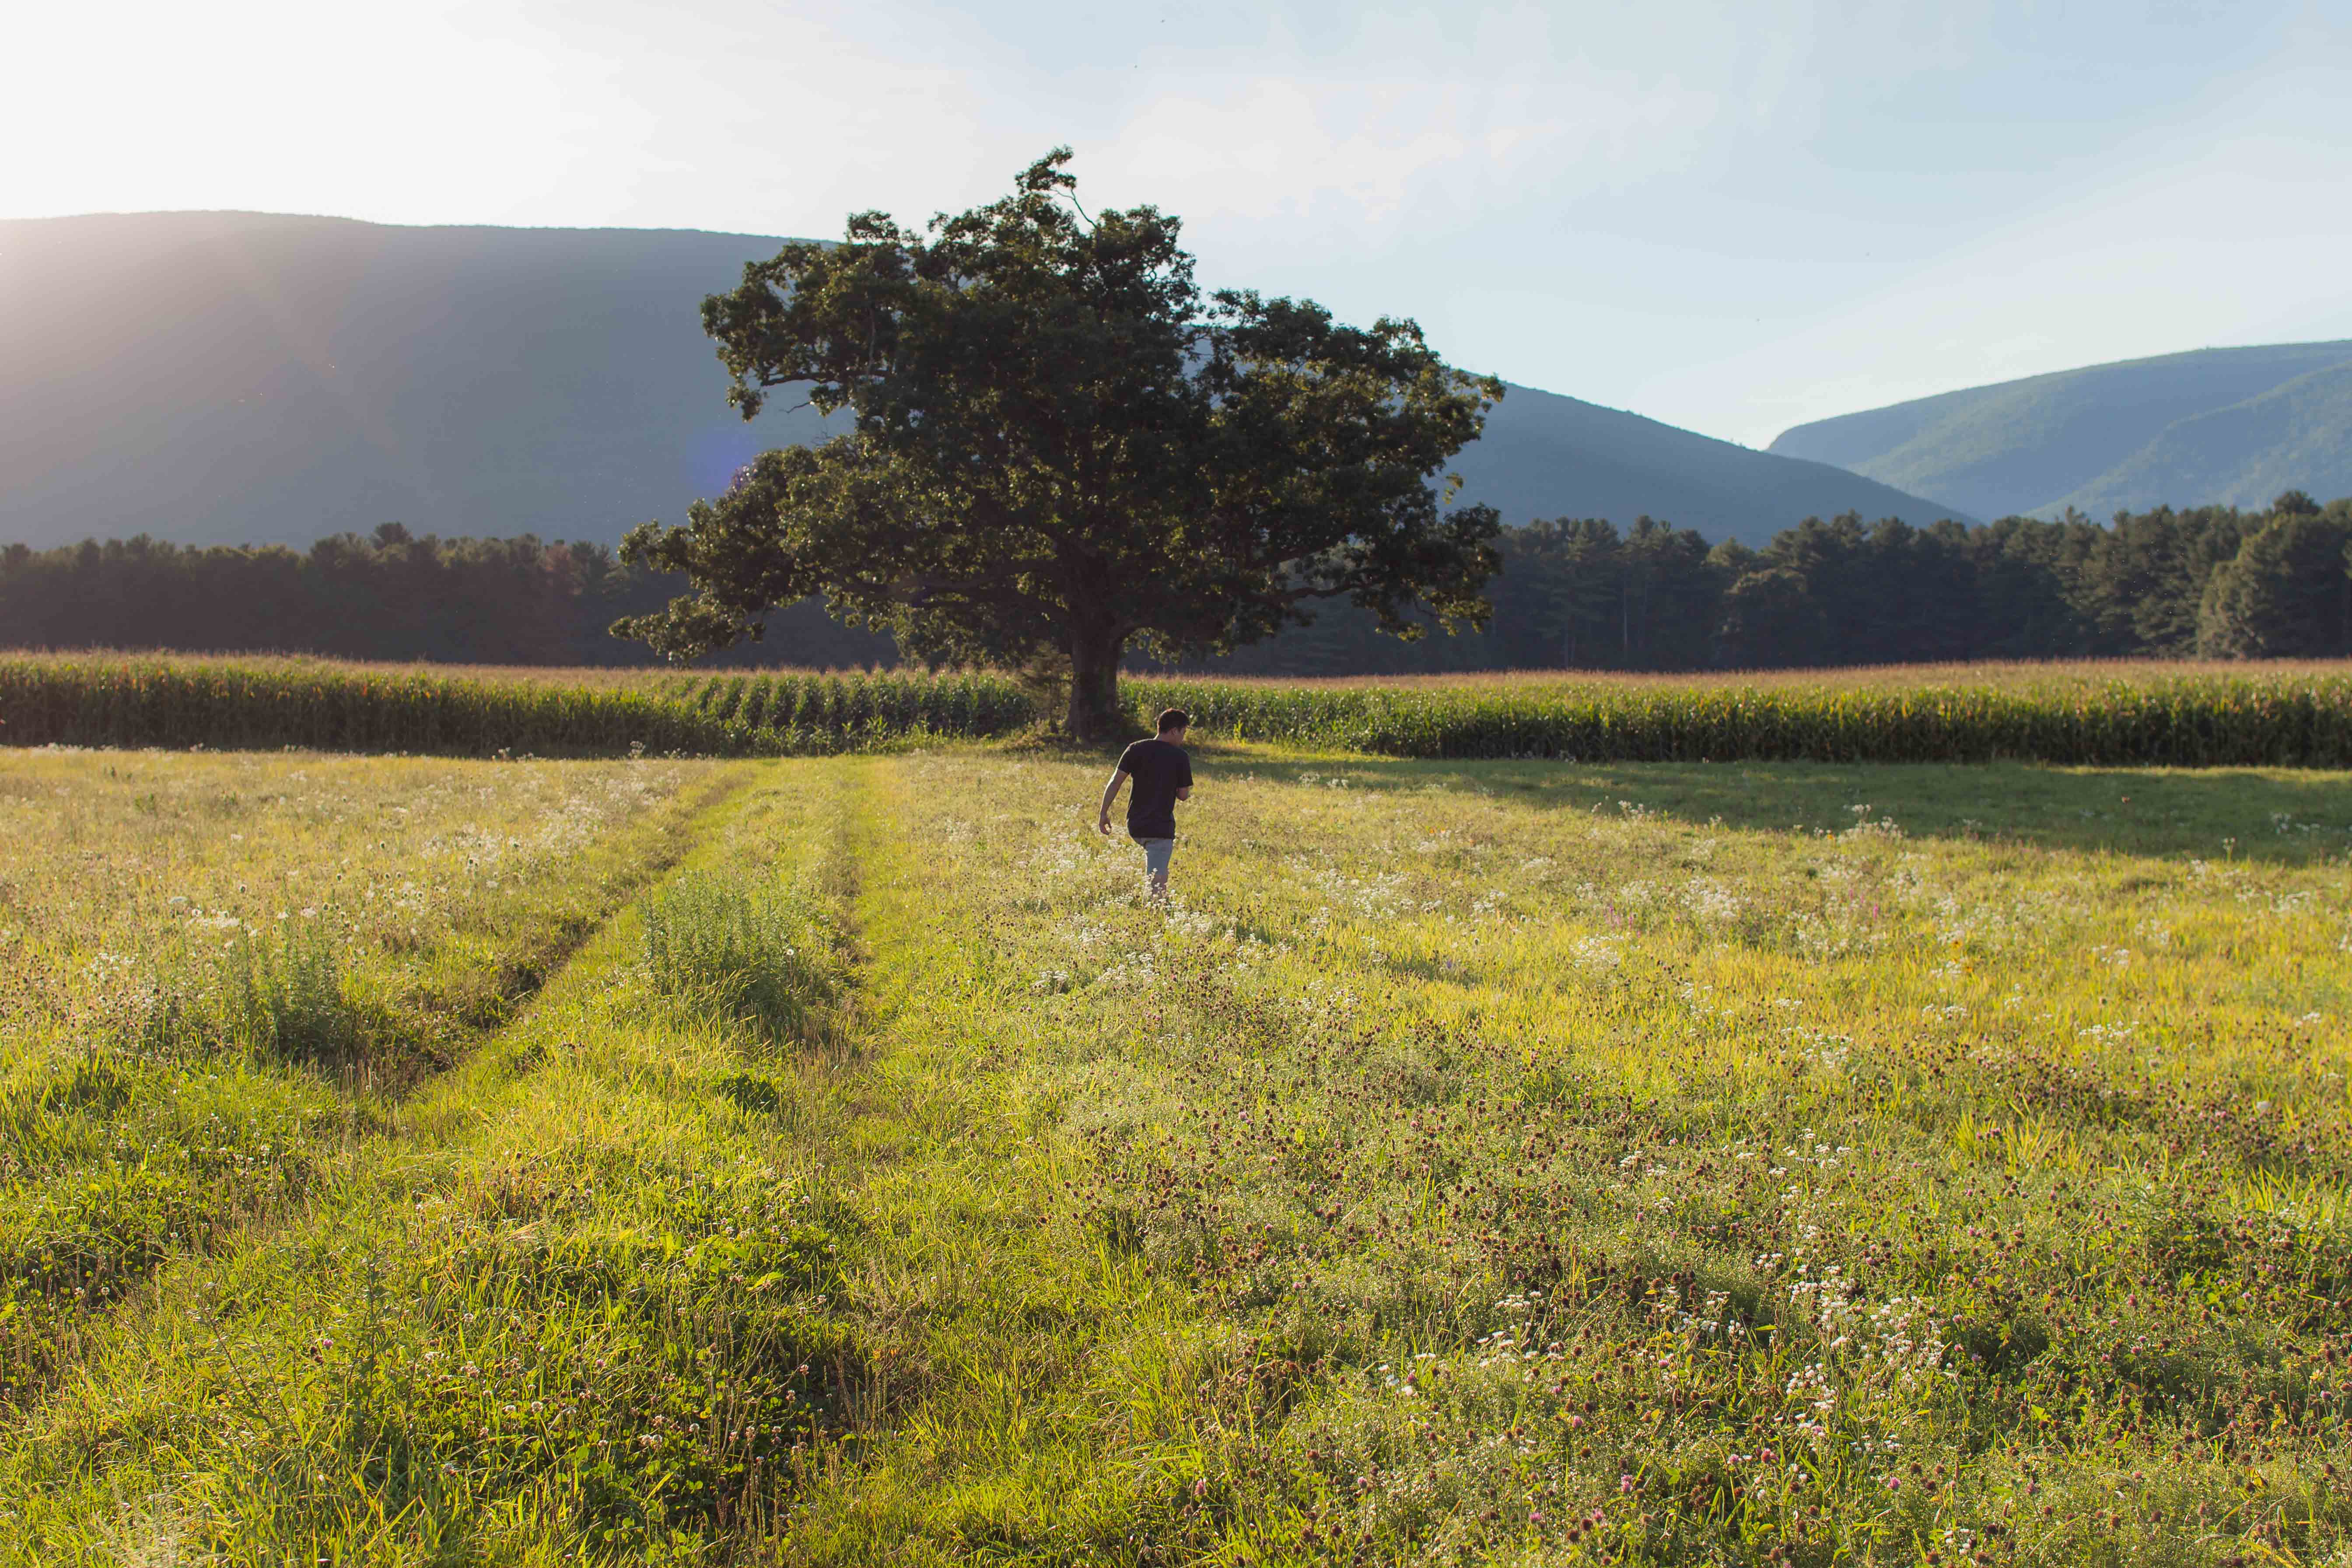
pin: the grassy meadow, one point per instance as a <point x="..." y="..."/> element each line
<point x="842" y="1161"/>
<point x="216" y="966"/>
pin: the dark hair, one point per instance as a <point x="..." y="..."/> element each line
<point x="1174" y="718"/>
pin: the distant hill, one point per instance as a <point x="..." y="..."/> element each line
<point x="2231" y="427"/>
<point x="1548" y="456"/>
<point x="246" y="377"/>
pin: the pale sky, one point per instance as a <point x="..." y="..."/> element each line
<point x="1730" y="217"/>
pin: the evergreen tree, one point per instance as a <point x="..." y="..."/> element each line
<point x="2286" y="594"/>
<point x="1772" y="620"/>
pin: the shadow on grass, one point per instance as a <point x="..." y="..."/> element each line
<point x="1050" y="745"/>
<point x="2272" y="814"/>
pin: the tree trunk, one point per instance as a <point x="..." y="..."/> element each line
<point x="1094" y="685"/>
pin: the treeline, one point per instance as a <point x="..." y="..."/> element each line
<point x="389" y="595"/>
<point x="2211" y="582"/>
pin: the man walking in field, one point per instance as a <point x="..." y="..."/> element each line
<point x="1163" y="772"/>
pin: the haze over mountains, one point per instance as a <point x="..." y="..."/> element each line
<point x="2228" y="426"/>
<point x="249" y="378"/>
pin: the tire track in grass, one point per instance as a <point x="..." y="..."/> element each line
<point x="586" y="1305"/>
<point x="983" y="1304"/>
<point x="73" y="1248"/>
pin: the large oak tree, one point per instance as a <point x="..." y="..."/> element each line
<point x="1057" y="444"/>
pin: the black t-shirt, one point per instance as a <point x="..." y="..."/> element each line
<point x="1159" y="770"/>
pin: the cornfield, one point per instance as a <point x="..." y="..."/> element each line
<point x="2298" y="718"/>
<point x="2284" y="716"/>
<point x="229" y="704"/>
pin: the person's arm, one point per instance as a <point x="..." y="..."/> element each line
<point x="1110" y="792"/>
<point x="1184" y="790"/>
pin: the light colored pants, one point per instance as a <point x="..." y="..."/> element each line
<point x="1155" y="853"/>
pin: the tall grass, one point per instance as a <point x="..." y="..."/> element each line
<point x="740" y="947"/>
<point x="280" y="994"/>
<point x="285" y="995"/>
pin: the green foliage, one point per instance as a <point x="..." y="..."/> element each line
<point x="2287" y="593"/>
<point x="388" y="597"/>
<point x="1057" y="442"/>
<point x="1571" y="593"/>
<point x="738" y="946"/>
<point x="284" y="995"/>
<point x="1770" y="616"/>
<point x="1578" y="594"/>
<point x="273" y="991"/>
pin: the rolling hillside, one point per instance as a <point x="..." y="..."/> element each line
<point x="1548" y="456"/>
<point x="242" y="377"/>
<point x="2218" y="426"/>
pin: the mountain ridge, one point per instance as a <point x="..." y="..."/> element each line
<point x="272" y="378"/>
<point x="2123" y="435"/>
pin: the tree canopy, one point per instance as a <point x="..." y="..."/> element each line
<point x="2287" y="593"/>
<point x="1058" y="447"/>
